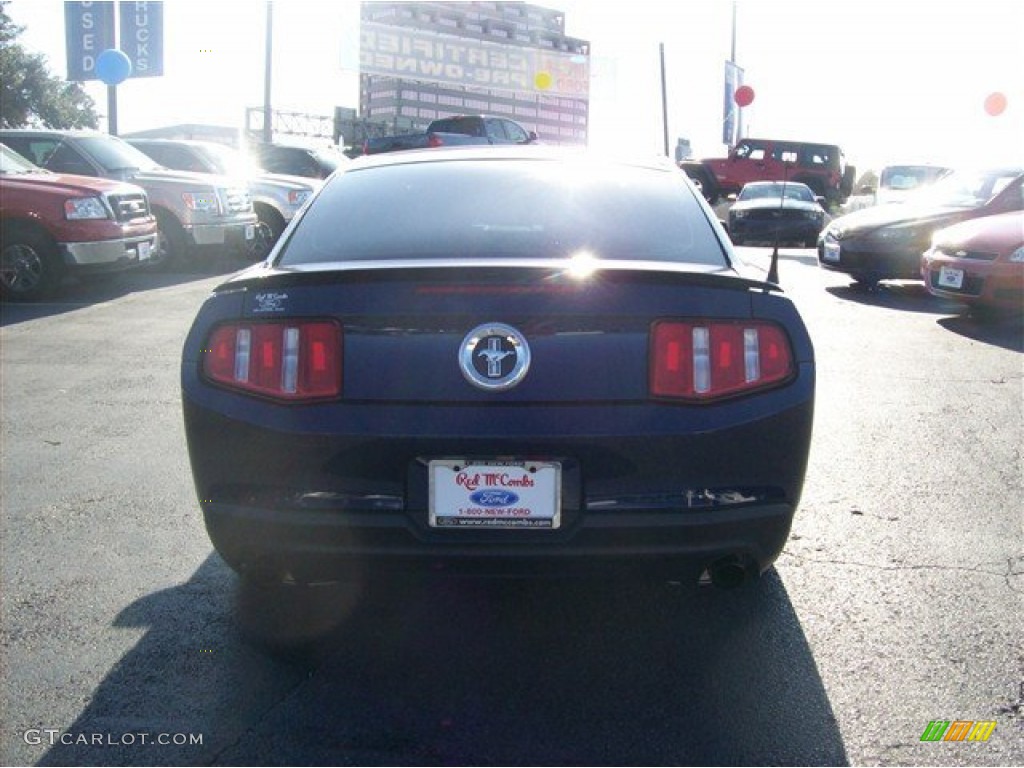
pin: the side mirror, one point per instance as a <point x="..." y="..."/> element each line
<point x="532" y="137"/>
<point x="820" y="199"/>
<point x="731" y="197"/>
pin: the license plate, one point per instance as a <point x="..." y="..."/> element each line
<point x="951" y="278"/>
<point x="145" y="251"/>
<point x="495" y="494"/>
<point x="831" y="252"/>
<point x="250" y="231"/>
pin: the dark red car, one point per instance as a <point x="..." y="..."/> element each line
<point x="979" y="262"/>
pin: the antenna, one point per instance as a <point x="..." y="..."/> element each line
<point x="773" y="268"/>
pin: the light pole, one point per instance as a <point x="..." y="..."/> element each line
<point x="664" y="98"/>
<point x="268" y="112"/>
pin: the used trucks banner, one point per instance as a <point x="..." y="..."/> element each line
<point x="413" y="54"/>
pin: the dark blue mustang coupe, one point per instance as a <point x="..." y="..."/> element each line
<point x="502" y="361"/>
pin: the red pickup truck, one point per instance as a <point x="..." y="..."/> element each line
<point x="55" y="224"/>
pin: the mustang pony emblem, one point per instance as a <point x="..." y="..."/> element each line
<point x="494" y="357"/>
<point x="494" y="354"/>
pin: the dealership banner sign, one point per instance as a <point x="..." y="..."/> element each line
<point x="730" y="114"/>
<point x="414" y="54"/>
<point x="142" y="37"/>
<point x="89" y="30"/>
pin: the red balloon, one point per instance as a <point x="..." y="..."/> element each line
<point x="744" y="96"/>
<point x="995" y="103"/>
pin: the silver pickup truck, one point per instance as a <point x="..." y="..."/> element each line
<point x="196" y="212"/>
<point x="456" y="130"/>
<point x="276" y="197"/>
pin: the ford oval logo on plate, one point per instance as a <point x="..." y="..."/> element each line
<point x="494" y="357"/>
<point x="494" y="498"/>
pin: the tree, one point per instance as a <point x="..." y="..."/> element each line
<point x="30" y="95"/>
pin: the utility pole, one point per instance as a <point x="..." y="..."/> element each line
<point x="268" y="112"/>
<point x="664" y="98"/>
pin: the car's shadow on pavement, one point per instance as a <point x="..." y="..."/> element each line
<point x="461" y="672"/>
<point x="907" y="296"/>
<point x="1006" y="331"/>
<point x="75" y="293"/>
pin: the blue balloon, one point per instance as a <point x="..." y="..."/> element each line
<point x="113" y="66"/>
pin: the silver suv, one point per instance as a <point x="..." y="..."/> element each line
<point x="276" y="198"/>
<point x="195" y="212"/>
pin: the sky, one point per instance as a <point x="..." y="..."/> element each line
<point x="888" y="80"/>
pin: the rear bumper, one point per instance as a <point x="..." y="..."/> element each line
<point x="311" y="546"/>
<point x="640" y="491"/>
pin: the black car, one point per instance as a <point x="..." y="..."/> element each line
<point x="298" y="161"/>
<point x="558" y="368"/>
<point x="887" y="241"/>
<point x="776" y="212"/>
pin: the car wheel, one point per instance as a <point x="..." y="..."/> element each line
<point x="865" y="282"/>
<point x="30" y="266"/>
<point x="708" y="187"/>
<point x="262" y="242"/>
<point x="173" y="250"/>
<point x="288" y="617"/>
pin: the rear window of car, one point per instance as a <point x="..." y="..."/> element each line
<point x="505" y="208"/>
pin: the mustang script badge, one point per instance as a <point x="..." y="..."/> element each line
<point x="494" y="357"/>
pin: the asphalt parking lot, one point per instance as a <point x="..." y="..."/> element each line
<point x="897" y="601"/>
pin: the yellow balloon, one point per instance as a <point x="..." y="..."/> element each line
<point x="542" y="80"/>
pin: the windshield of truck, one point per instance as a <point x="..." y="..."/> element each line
<point x="12" y="162"/>
<point x="116" y="155"/>
<point x="505" y="208"/>
<point x="230" y="161"/>
<point x="965" y="189"/>
<point x="907" y="177"/>
<point x="329" y="160"/>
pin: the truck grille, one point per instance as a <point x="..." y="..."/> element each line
<point x="235" y="200"/>
<point x="130" y="206"/>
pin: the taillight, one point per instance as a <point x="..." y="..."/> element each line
<point x="291" y="360"/>
<point x="705" y="360"/>
<point x="433" y="140"/>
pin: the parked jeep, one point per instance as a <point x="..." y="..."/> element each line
<point x="276" y="198"/>
<point x="822" y="167"/>
<point x="194" y="211"/>
<point x="52" y="225"/>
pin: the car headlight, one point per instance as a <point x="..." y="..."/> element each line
<point x="812" y="215"/>
<point x="78" y="208"/>
<point x="298" y="197"/>
<point x="200" y="201"/>
<point x="1017" y="257"/>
